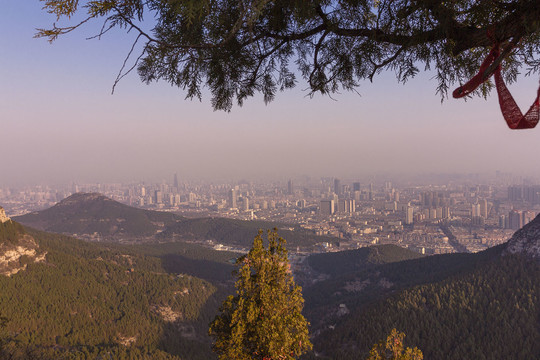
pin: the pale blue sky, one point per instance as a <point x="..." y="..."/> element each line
<point x="59" y="122"/>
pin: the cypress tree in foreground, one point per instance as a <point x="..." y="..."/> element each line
<point x="263" y="320"/>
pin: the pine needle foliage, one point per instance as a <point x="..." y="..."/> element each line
<point x="263" y="320"/>
<point x="238" y="48"/>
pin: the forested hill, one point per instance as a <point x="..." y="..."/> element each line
<point x="240" y="232"/>
<point x="346" y="262"/>
<point x="87" y="300"/>
<point x="489" y="312"/>
<point x="94" y="214"/>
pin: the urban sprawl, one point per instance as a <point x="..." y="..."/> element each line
<point x="430" y="219"/>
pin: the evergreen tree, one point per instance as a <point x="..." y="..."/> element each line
<point x="263" y="320"/>
<point x="393" y="349"/>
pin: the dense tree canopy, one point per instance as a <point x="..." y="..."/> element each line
<point x="237" y="48"/>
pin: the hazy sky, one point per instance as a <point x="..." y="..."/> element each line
<point x="59" y="122"/>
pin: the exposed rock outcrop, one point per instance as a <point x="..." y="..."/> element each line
<point x="17" y="248"/>
<point x="15" y="257"/>
<point x="526" y="241"/>
<point x="3" y="216"/>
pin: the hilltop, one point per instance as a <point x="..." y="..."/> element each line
<point x="92" y="216"/>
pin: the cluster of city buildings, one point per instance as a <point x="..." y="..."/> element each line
<point x="428" y="218"/>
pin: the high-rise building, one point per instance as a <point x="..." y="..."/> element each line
<point x="232" y="199"/>
<point x="158" y="197"/>
<point x="475" y="210"/>
<point x="515" y="220"/>
<point x="245" y="204"/>
<point x="409" y="215"/>
<point x="483" y="208"/>
<point x="502" y="222"/>
<point x="515" y="193"/>
<point x="290" y="187"/>
<point x="356" y="186"/>
<point x="342" y="206"/>
<point x="337" y="186"/>
<point x="345" y="206"/>
<point x="175" y="182"/>
<point x="327" y="207"/>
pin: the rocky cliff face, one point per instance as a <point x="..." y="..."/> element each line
<point x="14" y="258"/>
<point x="17" y="249"/>
<point x="526" y="240"/>
<point x="3" y="216"/>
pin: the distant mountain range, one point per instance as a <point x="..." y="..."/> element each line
<point x="92" y="216"/>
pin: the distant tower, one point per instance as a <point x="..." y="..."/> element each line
<point x="290" y="187"/>
<point x="515" y="220"/>
<point x="232" y="199"/>
<point x="356" y="186"/>
<point x="337" y="186"/>
<point x="409" y="215"/>
<point x="175" y="182"/>
<point x="158" y="197"/>
<point x="483" y="208"/>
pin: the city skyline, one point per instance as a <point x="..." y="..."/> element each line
<point x="60" y="124"/>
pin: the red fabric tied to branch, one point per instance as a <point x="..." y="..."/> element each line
<point x="510" y="110"/>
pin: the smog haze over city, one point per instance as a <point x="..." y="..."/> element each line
<point x="60" y="123"/>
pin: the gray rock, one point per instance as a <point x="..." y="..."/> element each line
<point x="526" y="241"/>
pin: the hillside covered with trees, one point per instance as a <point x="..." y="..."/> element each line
<point x="459" y="306"/>
<point x="91" y="301"/>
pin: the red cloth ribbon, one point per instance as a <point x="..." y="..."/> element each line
<point x="509" y="108"/>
